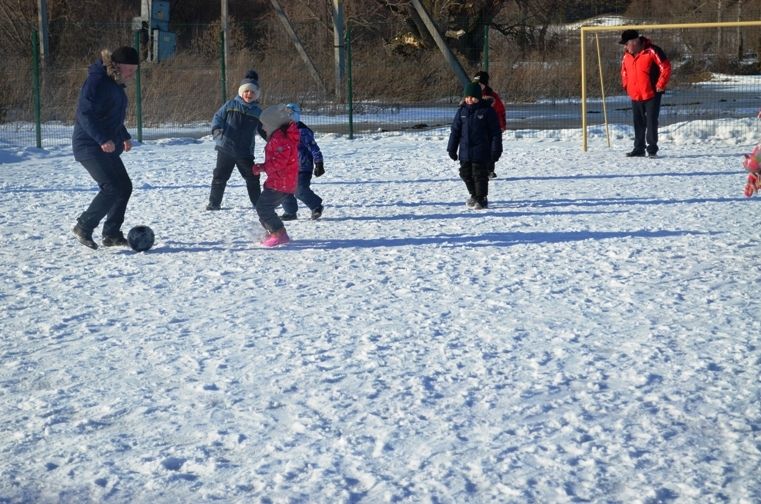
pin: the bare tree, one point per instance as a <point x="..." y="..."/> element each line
<point x="461" y="22"/>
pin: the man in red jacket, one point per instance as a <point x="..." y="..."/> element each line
<point x="645" y="72"/>
<point x="492" y="98"/>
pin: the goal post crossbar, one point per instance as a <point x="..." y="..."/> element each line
<point x="584" y="30"/>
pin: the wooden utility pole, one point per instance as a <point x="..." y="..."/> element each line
<point x="42" y="15"/>
<point x="299" y="46"/>
<point x="339" y="47"/>
<point x="225" y="37"/>
<point x="448" y="54"/>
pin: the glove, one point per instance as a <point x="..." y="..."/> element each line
<point x="453" y="155"/>
<point x="216" y="133"/>
<point x="753" y="185"/>
<point x="256" y="169"/>
<point x="319" y="169"/>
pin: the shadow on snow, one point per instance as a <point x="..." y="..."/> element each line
<point x="506" y="239"/>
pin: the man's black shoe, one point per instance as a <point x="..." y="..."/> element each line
<point x="115" y="241"/>
<point x="635" y="153"/>
<point x="84" y="237"/>
<point x="652" y="154"/>
<point x="289" y="216"/>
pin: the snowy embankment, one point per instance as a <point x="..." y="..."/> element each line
<point x="593" y="335"/>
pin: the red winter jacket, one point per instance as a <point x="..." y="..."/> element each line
<point x="644" y="72"/>
<point x="281" y="160"/>
<point x="492" y="97"/>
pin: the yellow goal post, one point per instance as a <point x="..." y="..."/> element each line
<point x="585" y="31"/>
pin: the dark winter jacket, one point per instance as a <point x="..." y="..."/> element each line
<point x="309" y="151"/>
<point x="101" y="110"/>
<point x="475" y="130"/>
<point x="645" y="72"/>
<point x="234" y="127"/>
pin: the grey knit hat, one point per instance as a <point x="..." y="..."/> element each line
<point x="274" y="116"/>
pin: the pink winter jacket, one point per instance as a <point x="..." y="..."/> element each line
<point x="281" y="160"/>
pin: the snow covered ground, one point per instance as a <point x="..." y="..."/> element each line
<point x="592" y="336"/>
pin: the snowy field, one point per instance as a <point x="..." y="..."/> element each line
<point x="592" y="336"/>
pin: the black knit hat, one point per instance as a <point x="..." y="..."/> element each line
<point x="472" y="89"/>
<point x="482" y="78"/>
<point x="125" y="55"/>
<point x="628" y="35"/>
<point x="251" y="78"/>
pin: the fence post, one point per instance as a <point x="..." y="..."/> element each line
<point x="138" y="92"/>
<point x="349" y="94"/>
<point x="223" y="69"/>
<point x="36" y="86"/>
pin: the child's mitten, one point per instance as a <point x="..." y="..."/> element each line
<point x="319" y="169"/>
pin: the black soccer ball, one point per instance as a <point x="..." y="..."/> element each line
<point x="140" y="238"/>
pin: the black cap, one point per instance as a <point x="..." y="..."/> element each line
<point x="481" y="77"/>
<point x="125" y="55"/>
<point x="628" y="35"/>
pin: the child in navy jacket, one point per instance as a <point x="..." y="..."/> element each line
<point x="309" y="155"/>
<point x="476" y="132"/>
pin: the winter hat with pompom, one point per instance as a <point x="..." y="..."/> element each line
<point x="250" y="82"/>
<point x="274" y="116"/>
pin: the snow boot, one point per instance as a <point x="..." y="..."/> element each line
<point x="279" y="237"/>
<point x="317" y="212"/>
<point x="117" y="240"/>
<point x="288" y="216"/>
<point x="84" y="237"/>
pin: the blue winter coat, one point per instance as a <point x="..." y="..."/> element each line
<point x="475" y="130"/>
<point x="309" y="151"/>
<point x="238" y="123"/>
<point x="101" y="110"/>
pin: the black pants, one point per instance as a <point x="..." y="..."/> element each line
<point x="266" y="206"/>
<point x="222" y="172"/>
<point x="476" y="178"/>
<point x="645" y="116"/>
<point x="111" y="201"/>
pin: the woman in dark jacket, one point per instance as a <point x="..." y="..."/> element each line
<point x="98" y="141"/>
<point x="475" y="130"/>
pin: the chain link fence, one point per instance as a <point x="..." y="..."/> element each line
<point x="391" y="89"/>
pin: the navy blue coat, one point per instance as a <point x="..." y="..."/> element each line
<point x="237" y="123"/>
<point x="475" y="130"/>
<point x="309" y="151"/>
<point x="101" y="110"/>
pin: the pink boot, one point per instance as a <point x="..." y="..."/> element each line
<point x="277" y="238"/>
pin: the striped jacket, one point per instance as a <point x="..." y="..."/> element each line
<point x="644" y="72"/>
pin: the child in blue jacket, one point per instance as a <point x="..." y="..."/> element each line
<point x="476" y="132"/>
<point x="234" y="129"/>
<point x="309" y="154"/>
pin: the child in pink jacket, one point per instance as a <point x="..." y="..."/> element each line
<point x="281" y="164"/>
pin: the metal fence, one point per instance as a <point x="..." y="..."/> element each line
<point x="179" y="96"/>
